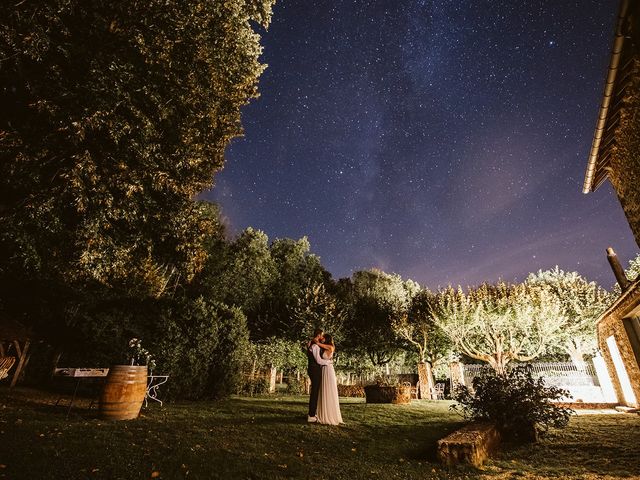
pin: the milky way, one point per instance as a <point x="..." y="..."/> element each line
<point x="442" y="140"/>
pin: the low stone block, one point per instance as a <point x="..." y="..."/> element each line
<point x="472" y="444"/>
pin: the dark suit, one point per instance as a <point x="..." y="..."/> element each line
<point x="314" y="370"/>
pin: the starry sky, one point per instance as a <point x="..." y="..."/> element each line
<point x="445" y="141"/>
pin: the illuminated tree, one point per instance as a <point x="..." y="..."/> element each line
<point x="419" y="329"/>
<point x="582" y="302"/>
<point x="499" y="323"/>
<point x="317" y="308"/>
<point x="633" y="270"/>
<point x="240" y="272"/>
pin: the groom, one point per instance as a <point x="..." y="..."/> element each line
<point x="314" y="370"/>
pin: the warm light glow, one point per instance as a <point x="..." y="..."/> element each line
<point x="621" y="371"/>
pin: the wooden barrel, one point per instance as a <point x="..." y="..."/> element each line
<point x="123" y="392"/>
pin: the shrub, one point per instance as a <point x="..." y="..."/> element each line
<point x="202" y="347"/>
<point x="231" y="352"/>
<point x="253" y="386"/>
<point x="519" y="404"/>
<point x="295" y="386"/>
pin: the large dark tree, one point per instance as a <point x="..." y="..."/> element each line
<point x="296" y="269"/>
<point x="239" y="272"/>
<point x="378" y="299"/>
<point x="115" y="114"/>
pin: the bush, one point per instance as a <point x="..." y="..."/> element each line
<point x="253" y="386"/>
<point x="202" y="347"/>
<point x="517" y="403"/>
<point x="231" y="352"/>
<point x="295" y="386"/>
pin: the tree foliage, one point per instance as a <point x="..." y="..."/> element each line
<point x="280" y="353"/>
<point x="419" y="329"/>
<point x="317" y="308"/>
<point x="115" y="115"/>
<point x="296" y="269"/>
<point x="240" y="272"/>
<point x="581" y="302"/>
<point x="378" y="299"/>
<point x="633" y="270"/>
<point x="499" y="323"/>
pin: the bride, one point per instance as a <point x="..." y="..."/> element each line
<point x="328" y="403"/>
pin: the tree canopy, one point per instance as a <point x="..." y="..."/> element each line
<point x="581" y="304"/>
<point x="499" y="323"/>
<point x="377" y="300"/>
<point x="115" y="115"/>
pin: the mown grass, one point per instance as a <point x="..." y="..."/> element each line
<point x="268" y="438"/>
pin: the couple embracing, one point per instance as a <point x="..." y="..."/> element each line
<point x="324" y="406"/>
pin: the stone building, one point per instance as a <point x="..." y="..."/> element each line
<point x="615" y="155"/>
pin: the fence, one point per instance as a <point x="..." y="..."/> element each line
<point x="581" y="381"/>
<point x="560" y="374"/>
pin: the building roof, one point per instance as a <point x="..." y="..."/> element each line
<point x="618" y="78"/>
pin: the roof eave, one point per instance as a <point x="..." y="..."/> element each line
<point x="616" y="53"/>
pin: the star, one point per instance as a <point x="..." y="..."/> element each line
<point x="391" y="126"/>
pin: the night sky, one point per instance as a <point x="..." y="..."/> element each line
<point x="442" y="140"/>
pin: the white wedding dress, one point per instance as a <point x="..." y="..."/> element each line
<point x="328" y="403"/>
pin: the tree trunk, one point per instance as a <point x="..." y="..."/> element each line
<point x="253" y="369"/>
<point x="425" y="381"/>
<point x="272" y="380"/>
<point x="456" y="373"/>
<point x="499" y="364"/>
<point x="575" y="353"/>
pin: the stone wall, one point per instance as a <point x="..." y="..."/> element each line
<point x="625" y="158"/>
<point x="611" y="324"/>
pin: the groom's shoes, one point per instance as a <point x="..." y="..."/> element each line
<point x="313" y="419"/>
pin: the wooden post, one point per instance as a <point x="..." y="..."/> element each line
<point x="425" y="381"/>
<point x="54" y="362"/>
<point x="22" y="354"/>
<point x="618" y="271"/>
<point x="456" y="371"/>
<point x="272" y="380"/>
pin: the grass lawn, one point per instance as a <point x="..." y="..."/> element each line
<point x="268" y="438"/>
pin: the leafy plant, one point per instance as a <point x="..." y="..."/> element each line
<point x="254" y="386"/>
<point x="140" y="355"/>
<point x="203" y="346"/>
<point x="296" y="387"/>
<point x="517" y="403"/>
